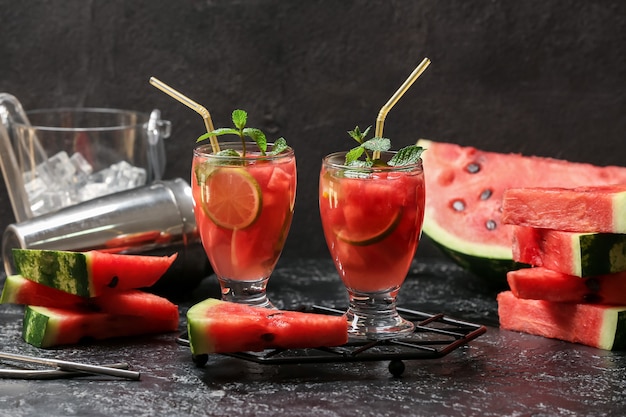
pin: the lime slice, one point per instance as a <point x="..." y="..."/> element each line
<point x="231" y="197"/>
<point x="367" y="236"/>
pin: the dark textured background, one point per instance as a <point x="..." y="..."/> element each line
<point x="540" y="77"/>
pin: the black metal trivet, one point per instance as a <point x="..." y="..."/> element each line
<point x="435" y="336"/>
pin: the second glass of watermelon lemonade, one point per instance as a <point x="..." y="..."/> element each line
<point x="372" y="220"/>
<point x="243" y="208"/>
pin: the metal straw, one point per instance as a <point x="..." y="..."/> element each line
<point x="74" y="366"/>
<point x="201" y="110"/>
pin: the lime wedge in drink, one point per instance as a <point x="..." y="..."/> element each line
<point x="231" y="197"/>
<point x="370" y="232"/>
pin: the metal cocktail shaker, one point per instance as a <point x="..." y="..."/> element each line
<point x="156" y="219"/>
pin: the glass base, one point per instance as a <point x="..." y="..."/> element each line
<point x="374" y="316"/>
<point x="245" y="292"/>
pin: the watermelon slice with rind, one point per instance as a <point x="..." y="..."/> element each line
<point x="47" y="327"/>
<point x="579" y="254"/>
<point x="596" y="325"/>
<point x="545" y="284"/>
<point x="19" y="290"/>
<point x="89" y="274"/>
<point x="464" y="194"/>
<point x="216" y="326"/>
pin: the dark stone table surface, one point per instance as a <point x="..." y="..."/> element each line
<point x="500" y="373"/>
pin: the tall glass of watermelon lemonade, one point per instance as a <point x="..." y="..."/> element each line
<point x="244" y="199"/>
<point x="372" y="213"/>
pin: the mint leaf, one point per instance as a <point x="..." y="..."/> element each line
<point x="406" y="156"/>
<point x="357" y="135"/>
<point x="280" y="145"/>
<point x="228" y="152"/>
<point x="353" y="155"/>
<point x="240" y="117"/>
<point x="257" y="136"/>
<point x="377" y="144"/>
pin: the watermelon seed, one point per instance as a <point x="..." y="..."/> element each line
<point x="593" y="284"/>
<point x="486" y="194"/>
<point x="113" y="283"/>
<point x="268" y="337"/>
<point x="491" y="225"/>
<point x="473" y="168"/>
<point x="458" y="205"/>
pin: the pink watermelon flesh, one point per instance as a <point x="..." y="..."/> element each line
<point x="579" y="254"/>
<point x="580" y="209"/>
<point x="48" y="327"/>
<point x="594" y="325"/>
<point x="216" y="326"/>
<point x="545" y="284"/>
<point x="464" y="190"/>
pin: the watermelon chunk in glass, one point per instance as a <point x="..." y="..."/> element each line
<point x="19" y="290"/>
<point x="92" y="273"/>
<point x="545" y="284"/>
<point x="579" y="254"/>
<point x="465" y="186"/>
<point x="216" y="326"/>
<point x="595" y="325"/>
<point x="47" y="327"/>
<point x="598" y="209"/>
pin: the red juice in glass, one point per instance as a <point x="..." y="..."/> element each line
<point x="372" y="220"/>
<point x="243" y="209"/>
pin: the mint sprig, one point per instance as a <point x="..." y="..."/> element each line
<point x="405" y="156"/>
<point x="240" y="118"/>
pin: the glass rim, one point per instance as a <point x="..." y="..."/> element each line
<point x="326" y="160"/>
<point x="205" y="149"/>
<point x="142" y="119"/>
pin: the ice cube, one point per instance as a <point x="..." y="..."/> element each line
<point x="61" y="167"/>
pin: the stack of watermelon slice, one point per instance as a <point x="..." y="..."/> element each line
<point x="575" y="239"/>
<point x="71" y="297"/>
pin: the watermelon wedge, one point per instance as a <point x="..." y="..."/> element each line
<point x="579" y="254"/>
<point x="216" y="326"/>
<point x="594" y="325"/>
<point x="464" y="194"/>
<point x="545" y="284"/>
<point x="580" y="209"/>
<point x="19" y="290"/>
<point x="47" y="327"/>
<point x="92" y="273"/>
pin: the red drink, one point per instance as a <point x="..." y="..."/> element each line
<point x="372" y="220"/>
<point x="243" y="209"/>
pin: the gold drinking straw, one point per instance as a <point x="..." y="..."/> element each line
<point x="206" y="116"/>
<point x="380" y="120"/>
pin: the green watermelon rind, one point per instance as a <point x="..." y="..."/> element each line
<point x="66" y="271"/>
<point x="489" y="262"/>
<point x="599" y="253"/>
<point x="199" y="340"/>
<point x="34" y="327"/>
<point x="619" y="337"/>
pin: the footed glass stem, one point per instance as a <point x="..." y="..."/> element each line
<point x="246" y="292"/>
<point x="374" y="316"/>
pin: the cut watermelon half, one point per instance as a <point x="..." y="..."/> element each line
<point x="594" y="325"/>
<point x="464" y="190"/>
<point x="216" y="326"/>
<point x="89" y="274"/>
